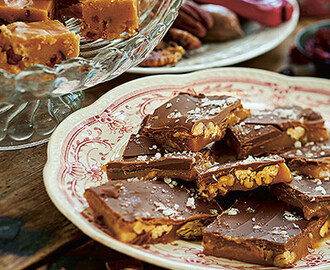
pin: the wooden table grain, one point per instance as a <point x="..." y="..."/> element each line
<point x="34" y="234"/>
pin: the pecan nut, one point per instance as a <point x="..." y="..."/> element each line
<point x="193" y="19"/>
<point x="164" y="54"/>
<point x="187" y="40"/>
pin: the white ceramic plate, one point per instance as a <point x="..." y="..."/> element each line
<point x="257" y="41"/>
<point x="88" y="138"/>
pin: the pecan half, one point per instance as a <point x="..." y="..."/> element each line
<point x="164" y="54"/>
<point x="193" y="19"/>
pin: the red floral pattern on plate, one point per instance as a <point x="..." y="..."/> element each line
<point x="91" y="143"/>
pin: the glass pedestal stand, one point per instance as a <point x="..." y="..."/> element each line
<point x="31" y="123"/>
<point x="34" y="101"/>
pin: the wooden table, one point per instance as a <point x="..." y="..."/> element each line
<point x="34" y="234"/>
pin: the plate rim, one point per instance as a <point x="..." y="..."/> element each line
<point x="56" y="142"/>
<point x="290" y="27"/>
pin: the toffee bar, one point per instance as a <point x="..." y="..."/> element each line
<point x="312" y="160"/>
<point x="311" y="195"/>
<point x="263" y="232"/>
<point x="243" y="175"/>
<point x="188" y="122"/>
<point x="144" y="211"/>
<point x="272" y="131"/>
<point x="142" y="158"/>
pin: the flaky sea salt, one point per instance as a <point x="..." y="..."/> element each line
<point x="168" y="105"/>
<point x="191" y="203"/>
<point x="250" y="210"/>
<point x="232" y="212"/>
<point x="297" y="144"/>
<point x="291" y="217"/>
<point x="142" y="158"/>
<point x="321" y="190"/>
<point x="174" y="115"/>
<point x="153" y="147"/>
<point x="213" y="211"/>
<point x="158" y="155"/>
<point x="257" y="227"/>
<point x="279" y="231"/>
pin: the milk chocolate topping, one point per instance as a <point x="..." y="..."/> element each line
<point x="264" y="232"/>
<point x="255" y="134"/>
<point x="142" y="158"/>
<point x="155" y="199"/>
<point x="268" y="220"/>
<point x="272" y="131"/>
<point x="312" y="151"/>
<point x="309" y="194"/>
<point x="312" y="189"/>
<point x="185" y="110"/>
<point x="282" y="117"/>
<point x="140" y="145"/>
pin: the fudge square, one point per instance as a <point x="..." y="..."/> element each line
<point x="109" y="19"/>
<point x="311" y="195"/>
<point x="143" y="211"/>
<point x="28" y="11"/>
<point x="312" y="159"/>
<point x="191" y="121"/>
<point x="142" y="158"/>
<point x="246" y="174"/>
<point x="272" y="131"/>
<point x="26" y="44"/>
<point x="263" y="232"/>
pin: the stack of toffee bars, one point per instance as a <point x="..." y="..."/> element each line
<point x="175" y="173"/>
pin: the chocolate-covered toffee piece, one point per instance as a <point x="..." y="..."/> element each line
<point x="140" y="145"/>
<point x="311" y="195"/>
<point x="143" y="158"/>
<point x="263" y="232"/>
<point x="313" y="159"/>
<point x="143" y="211"/>
<point x="244" y="174"/>
<point x="271" y="131"/>
<point x="191" y="121"/>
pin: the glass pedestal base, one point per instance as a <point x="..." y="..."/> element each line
<point x="31" y="123"/>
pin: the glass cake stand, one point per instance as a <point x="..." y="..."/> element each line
<point x="35" y="101"/>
